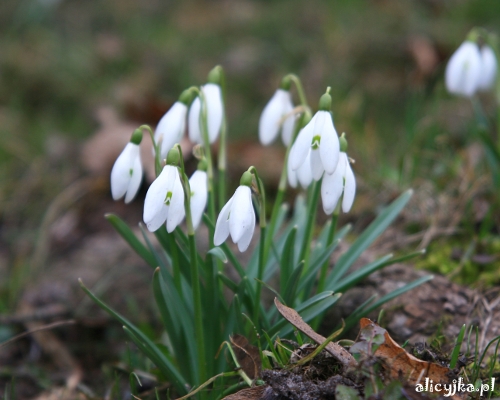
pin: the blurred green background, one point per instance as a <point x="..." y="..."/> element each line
<point x="63" y="60"/>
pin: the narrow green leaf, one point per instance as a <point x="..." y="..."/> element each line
<point x="292" y="284"/>
<point x="219" y="253"/>
<point x="126" y="233"/>
<point x="287" y="259"/>
<point x="310" y="276"/>
<point x="140" y="339"/>
<point x="368" y="236"/>
<point x="231" y="285"/>
<point x="361" y="311"/>
<point x="352" y="279"/>
<point x="456" y="350"/>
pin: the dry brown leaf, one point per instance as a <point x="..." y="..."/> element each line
<point x="401" y="365"/>
<point x="248" y="356"/>
<point x="292" y="316"/>
<point x="254" y="393"/>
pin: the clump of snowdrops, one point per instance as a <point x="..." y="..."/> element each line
<point x="191" y="287"/>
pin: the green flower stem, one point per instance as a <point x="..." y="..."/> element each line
<point x="195" y="279"/>
<point x="222" y="157"/>
<point x="329" y="241"/>
<point x="155" y="147"/>
<point x="222" y="163"/>
<point x="300" y="90"/>
<point x="311" y="212"/>
<point x="262" y="244"/>
<point x="210" y="168"/>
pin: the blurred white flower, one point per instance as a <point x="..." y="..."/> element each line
<point x="237" y="218"/>
<point x="199" y="195"/>
<point x="171" y="127"/>
<point x="126" y="175"/>
<point x="463" y="72"/>
<point x="332" y="186"/>
<point x="488" y="70"/>
<point x="272" y="119"/>
<point x="215" y="114"/>
<point x="319" y="138"/>
<point x="164" y="200"/>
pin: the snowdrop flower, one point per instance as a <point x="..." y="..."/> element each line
<point x="237" y="217"/>
<point x="172" y="125"/>
<point x="273" y="118"/>
<point x="464" y="70"/>
<point x="342" y="180"/>
<point x="303" y="175"/>
<point x="199" y="195"/>
<point x="215" y="109"/>
<point x="318" y="140"/>
<point x="165" y="198"/>
<point x="488" y="69"/>
<point x="126" y="175"/>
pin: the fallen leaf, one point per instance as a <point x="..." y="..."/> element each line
<point x="401" y="365"/>
<point x="292" y="316"/>
<point x="254" y="393"/>
<point x="248" y="356"/>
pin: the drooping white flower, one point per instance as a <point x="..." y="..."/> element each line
<point x="319" y="140"/>
<point x="277" y="115"/>
<point x="488" y="70"/>
<point x="215" y="113"/>
<point x="164" y="201"/>
<point x="126" y="175"/>
<point x="303" y="175"/>
<point x="333" y="185"/>
<point x="171" y="127"/>
<point x="237" y="218"/>
<point x="463" y="72"/>
<point x="199" y="195"/>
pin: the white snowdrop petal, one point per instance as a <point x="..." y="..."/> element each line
<point x="316" y="166"/>
<point x="120" y="173"/>
<point x="199" y="194"/>
<point x="488" y="68"/>
<point x="304" y="173"/>
<point x="135" y="180"/>
<point x="176" y="210"/>
<point x="215" y="110"/>
<point x="349" y="188"/>
<point x="289" y="123"/>
<point x="154" y="202"/>
<point x="270" y="119"/>
<point x="463" y="71"/>
<point x="158" y="219"/>
<point x="291" y="174"/>
<point x="222" y="225"/>
<point x="329" y="147"/>
<point x="171" y="127"/>
<point x="194" y="121"/>
<point x="301" y="146"/>
<point x="246" y="238"/>
<point x="241" y="213"/>
<point x="331" y="188"/>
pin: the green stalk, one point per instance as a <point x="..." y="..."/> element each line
<point x="195" y="279"/>
<point x="311" y="212"/>
<point x="210" y="168"/>
<point x="262" y="245"/>
<point x="222" y="161"/>
<point x="155" y="147"/>
<point x="329" y="241"/>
